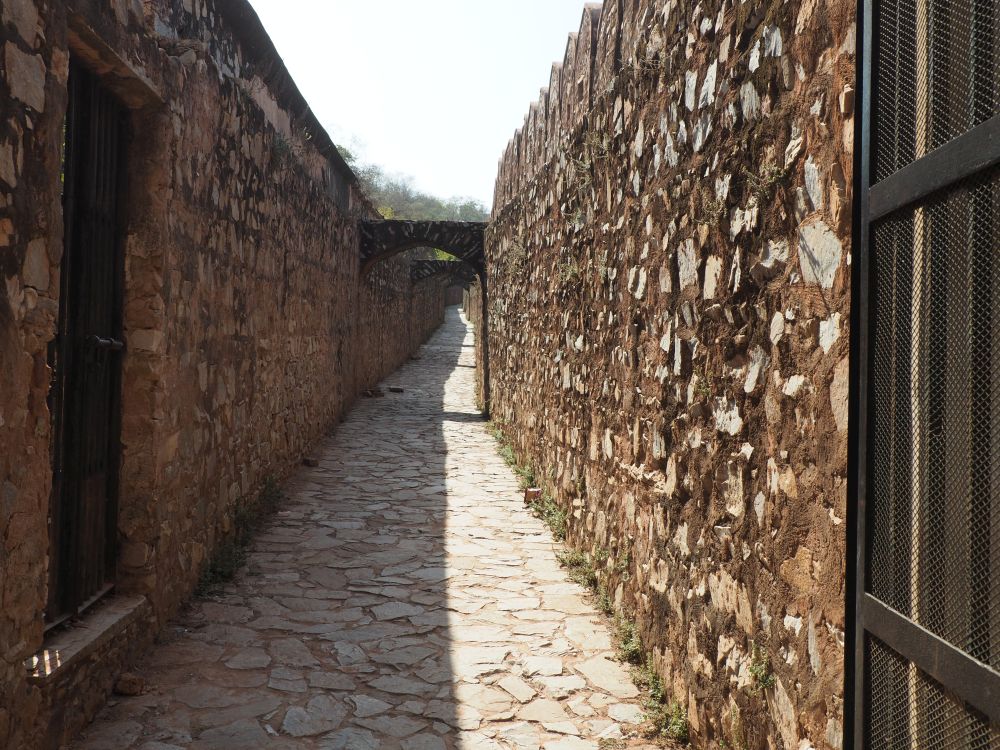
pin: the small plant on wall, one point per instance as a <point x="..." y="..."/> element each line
<point x="760" y="670"/>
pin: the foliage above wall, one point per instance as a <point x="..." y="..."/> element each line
<point x="397" y="198"/>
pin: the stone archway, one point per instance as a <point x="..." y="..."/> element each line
<point x="464" y="240"/>
<point x="459" y="271"/>
<point x="383" y="239"/>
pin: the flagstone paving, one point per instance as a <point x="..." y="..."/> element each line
<point x="402" y="599"/>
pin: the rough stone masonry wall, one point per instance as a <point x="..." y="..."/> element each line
<point x="397" y="317"/>
<point x="248" y="329"/>
<point x="668" y="268"/>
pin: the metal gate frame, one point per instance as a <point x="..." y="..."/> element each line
<point x="83" y="537"/>
<point x="977" y="684"/>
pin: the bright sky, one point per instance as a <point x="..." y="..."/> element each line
<point x="430" y="89"/>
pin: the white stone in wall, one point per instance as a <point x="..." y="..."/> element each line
<point x="707" y="96"/>
<point x="839" y="391"/>
<point x="640" y="287"/>
<point x="758" y="361"/>
<point x="793" y="385"/>
<point x="681" y="539"/>
<point x="669" y="151"/>
<point x="735" y="277"/>
<point x="795" y="144"/>
<point x="772" y="41"/>
<point x="24" y="15"/>
<point x="666" y="282"/>
<point x="725" y="647"/>
<point x="814" y="184"/>
<point x="829" y="332"/>
<point x="758" y="508"/>
<point x="727" y="416"/>
<point x="820" y="253"/>
<point x="713" y="269"/>
<point x="702" y="129"/>
<point x="813" y="645"/>
<point x="690" y="89"/>
<point x="722" y="187"/>
<point x="783" y="714"/>
<point x="35" y="271"/>
<point x="801" y="207"/>
<point x="772" y="261"/>
<point x="735" y="501"/>
<point x="659" y="446"/>
<point x="793" y="624"/>
<point x="755" y="56"/>
<point x="687" y="264"/>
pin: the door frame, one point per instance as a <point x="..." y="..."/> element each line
<point x="66" y="595"/>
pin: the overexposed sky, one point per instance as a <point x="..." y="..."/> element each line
<point x="430" y="89"/>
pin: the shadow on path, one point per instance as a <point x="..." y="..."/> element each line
<point x="403" y="598"/>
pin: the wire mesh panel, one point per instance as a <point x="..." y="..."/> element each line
<point x="937" y="66"/>
<point x="934" y="482"/>
<point x="909" y="709"/>
<point x="926" y="435"/>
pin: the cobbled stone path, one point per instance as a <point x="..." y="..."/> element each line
<point x="402" y="598"/>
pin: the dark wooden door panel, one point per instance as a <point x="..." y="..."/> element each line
<point x="86" y="357"/>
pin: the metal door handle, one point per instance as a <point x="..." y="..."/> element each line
<point x="107" y="344"/>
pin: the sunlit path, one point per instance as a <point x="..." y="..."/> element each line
<point x="403" y="598"/>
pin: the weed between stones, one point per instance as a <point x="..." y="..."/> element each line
<point x="545" y="507"/>
<point x="666" y="719"/>
<point x="230" y="554"/>
<point x="760" y="671"/>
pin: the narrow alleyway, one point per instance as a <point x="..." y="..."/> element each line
<point x="403" y="598"/>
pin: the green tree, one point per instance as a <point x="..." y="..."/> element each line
<point x="395" y="197"/>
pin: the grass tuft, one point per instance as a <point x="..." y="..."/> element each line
<point x="581" y="570"/>
<point x="545" y="508"/>
<point x="760" y="671"/>
<point x="554" y="516"/>
<point x="666" y="718"/>
<point x="627" y="640"/>
<point x="230" y="554"/>
<point x="604" y="603"/>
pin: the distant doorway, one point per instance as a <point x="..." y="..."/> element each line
<point x="86" y="355"/>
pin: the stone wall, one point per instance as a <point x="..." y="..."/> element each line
<point x="472" y="307"/>
<point x="668" y="268"/>
<point x="397" y="316"/>
<point x="248" y="329"/>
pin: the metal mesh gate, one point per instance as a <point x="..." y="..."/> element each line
<point x="926" y="449"/>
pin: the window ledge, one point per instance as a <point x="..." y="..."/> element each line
<point x="71" y="644"/>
